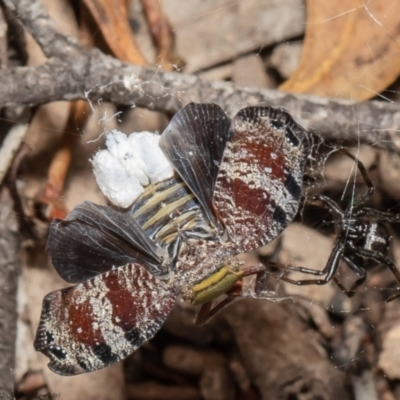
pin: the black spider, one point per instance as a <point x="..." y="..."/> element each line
<point x="362" y="235"/>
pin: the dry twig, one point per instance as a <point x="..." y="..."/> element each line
<point x="9" y="273"/>
<point x="75" y="72"/>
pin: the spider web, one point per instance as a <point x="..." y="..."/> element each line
<point x="328" y="172"/>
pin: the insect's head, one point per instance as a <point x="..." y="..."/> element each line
<point x="209" y="269"/>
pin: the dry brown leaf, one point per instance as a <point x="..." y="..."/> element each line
<point x="113" y="23"/>
<point x="48" y="200"/>
<point x="112" y="20"/>
<point x="351" y="49"/>
<point x="78" y="113"/>
<point x="163" y="34"/>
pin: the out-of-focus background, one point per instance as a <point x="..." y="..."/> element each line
<point x="310" y="342"/>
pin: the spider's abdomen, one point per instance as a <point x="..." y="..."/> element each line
<point x="377" y="238"/>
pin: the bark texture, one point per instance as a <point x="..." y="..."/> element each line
<point x="74" y="72"/>
<point x="9" y="271"/>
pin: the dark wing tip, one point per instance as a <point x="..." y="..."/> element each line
<point x="279" y="119"/>
<point x="63" y="370"/>
<point x="93" y="239"/>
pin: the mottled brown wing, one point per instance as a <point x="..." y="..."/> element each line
<point x="93" y="239"/>
<point x="101" y="321"/>
<point x="259" y="183"/>
<point x="194" y="142"/>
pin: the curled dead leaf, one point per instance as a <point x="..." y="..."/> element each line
<point x="351" y="49"/>
<point x="112" y="20"/>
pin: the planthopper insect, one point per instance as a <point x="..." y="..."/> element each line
<point x="216" y="187"/>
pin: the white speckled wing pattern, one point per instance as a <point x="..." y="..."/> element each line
<point x="244" y="176"/>
<point x="259" y="183"/>
<point x="101" y="321"/>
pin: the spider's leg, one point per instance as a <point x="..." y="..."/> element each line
<point x="329" y="203"/>
<point x="382" y="259"/>
<point x="370" y="185"/>
<point x="297" y="269"/>
<point x="329" y="270"/>
<point x="338" y="213"/>
<point x="359" y="271"/>
<point x="378" y="257"/>
<point x="391" y="298"/>
<point x="378" y="215"/>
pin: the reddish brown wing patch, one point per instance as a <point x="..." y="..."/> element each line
<point x="258" y="187"/>
<point x="101" y="321"/>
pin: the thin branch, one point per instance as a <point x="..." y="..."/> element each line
<point x="10" y="264"/>
<point x="36" y="20"/>
<point x="3" y="40"/>
<point x="10" y="146"/>
<point x="76" y="73"/>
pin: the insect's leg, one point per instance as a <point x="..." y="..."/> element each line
<point x="206" y="312"/>
<point x="261" y="279"/>
<point x="203" y="313"/>
<point x="262" y="273"/>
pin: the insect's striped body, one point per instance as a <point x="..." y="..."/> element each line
<point x="168" y="208"/>
<point x="172" y="217"/>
